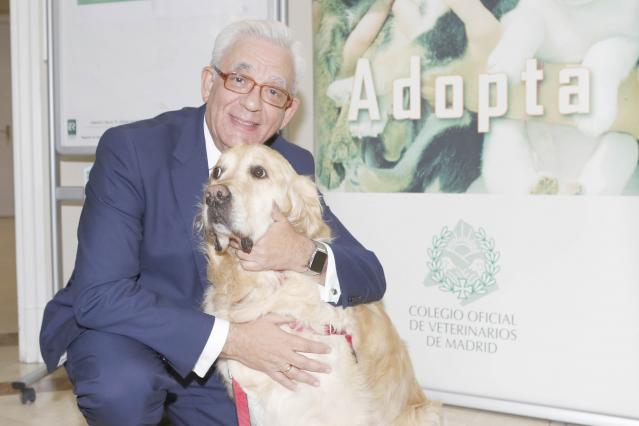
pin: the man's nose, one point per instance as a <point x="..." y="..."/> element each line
<point x="217" y="195"/>
<point x="252" y="101"/>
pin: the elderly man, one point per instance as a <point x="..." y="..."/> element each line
<point x="129" y="318"/>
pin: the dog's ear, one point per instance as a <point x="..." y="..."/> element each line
<point x="306" y="210"/>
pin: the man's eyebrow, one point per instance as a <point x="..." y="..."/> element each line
<point x="243" y="67"/>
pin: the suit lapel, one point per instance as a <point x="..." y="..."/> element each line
<point x="189" y="173"/>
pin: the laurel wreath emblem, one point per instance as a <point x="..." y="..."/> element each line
<point x="461" y="288"/>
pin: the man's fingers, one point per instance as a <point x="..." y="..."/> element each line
<point x="263" y="345"/>
<point x="301" y="376"/>
<point x="249" y="261"/>
<point x="309" y="346"/>
<point x="307" y="364"/>
<point x="240" y="254"/>
<point x="281" y="378"/>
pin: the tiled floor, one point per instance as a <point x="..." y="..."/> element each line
<point x="55" y="403"/>
<point x="60" y="405"/>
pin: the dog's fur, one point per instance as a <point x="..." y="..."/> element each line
<point x="535" y="157"/>
<point x="375" y="387"/>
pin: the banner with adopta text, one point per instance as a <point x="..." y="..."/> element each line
<point x="487" y="152"/>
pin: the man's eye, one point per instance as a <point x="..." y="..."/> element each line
<point x="238" y="79"/>
<point x="258" y="172"/>
<point x="216" y="172"/>
<point x="275" y="93"/>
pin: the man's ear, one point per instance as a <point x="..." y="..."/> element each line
<point x="206" y="83"/>
<point x="290" y="112"/>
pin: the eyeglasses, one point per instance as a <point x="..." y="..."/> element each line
<point x="243" y="84"/>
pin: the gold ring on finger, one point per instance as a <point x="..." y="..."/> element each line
<point x="287" y="368"/>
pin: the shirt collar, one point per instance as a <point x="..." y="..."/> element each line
<point x="212" y="153"/>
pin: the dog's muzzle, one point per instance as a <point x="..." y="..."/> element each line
<point x="218" y="201"/>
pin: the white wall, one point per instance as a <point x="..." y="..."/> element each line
<point x="300" y="130"/>
<point x="6" y="150"/>
<point x="31" y="170"/>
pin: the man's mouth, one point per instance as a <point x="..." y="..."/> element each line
<point x="244" y="124"/>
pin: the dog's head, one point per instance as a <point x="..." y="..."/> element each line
<point x="245" y="185"/>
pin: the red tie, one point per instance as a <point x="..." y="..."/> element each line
<point x="241" y="405"/>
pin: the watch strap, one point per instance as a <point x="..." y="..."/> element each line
<point x="318" y="259"/>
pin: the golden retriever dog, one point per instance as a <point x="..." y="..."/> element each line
<point x="371" y="382"/>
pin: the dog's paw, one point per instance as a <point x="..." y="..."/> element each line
<point x="546" y="185"/>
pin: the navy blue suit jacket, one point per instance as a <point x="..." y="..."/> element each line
<point x="139" y="271"/>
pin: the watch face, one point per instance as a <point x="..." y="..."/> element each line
<point x="318" y="261"/>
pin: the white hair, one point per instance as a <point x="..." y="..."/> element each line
<point x="273" y="31"/>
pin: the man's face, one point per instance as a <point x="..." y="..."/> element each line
<point x="239" y="119"/>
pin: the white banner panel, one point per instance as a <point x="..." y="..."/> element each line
<point x="522" y="304"/>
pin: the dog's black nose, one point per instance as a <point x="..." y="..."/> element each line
<point x="217" y="194"/>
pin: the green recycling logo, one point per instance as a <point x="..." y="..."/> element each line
<point x="463" y="262"/>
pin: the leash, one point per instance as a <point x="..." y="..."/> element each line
<point x="241" y="405"/>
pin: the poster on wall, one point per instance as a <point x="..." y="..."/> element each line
<point x="118" y="61"/>
<point x="492" y="147"/>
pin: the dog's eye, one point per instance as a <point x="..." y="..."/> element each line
<point x="258" y="172"/>
<point x="217" y="172"/>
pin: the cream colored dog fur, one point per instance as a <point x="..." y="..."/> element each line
<point x="375" y="387"/>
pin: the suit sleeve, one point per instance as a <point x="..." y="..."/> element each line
<point x="108" y="296"/>
<point x="361" y="276"/>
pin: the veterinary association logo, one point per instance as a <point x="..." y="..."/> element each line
<point x="463" y="262"/>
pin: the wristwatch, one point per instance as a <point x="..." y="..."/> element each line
<point x="318" y="259"/>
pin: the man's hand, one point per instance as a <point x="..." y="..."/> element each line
<point x="280" y="249"/>
<point x="262" y="345"/>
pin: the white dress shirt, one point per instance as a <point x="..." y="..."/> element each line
<point x="330" y="291"/>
